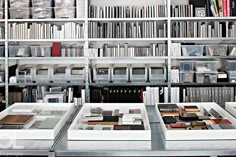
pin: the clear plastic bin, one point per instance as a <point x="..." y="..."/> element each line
<point x="20" y="13"/>
<point x="231" y="70"/>
<point x="25" y="73"/>
<point x="64" y="3"/>
<point x="120" y="74"/>
<point x="41" y="51"/>
<point x="210" y="77"/>
<point x="186" y="65"/>
<point x="192" y="50"/>
<point x="64" y="12"/>
<point x="19" y="51"/>
<point x="186" y="76"/>
<point x="42" y="3"/>
<point x="59" y="73"/>
<point x="76" y="74"/>
<point x="42" y="13"/>
<point x="216" y="50"/>
<point x="157" y="74"/>
<point x="138" y="74"/>
<point x="102" y="74"/>
<point x="43" y="74"/>
<point x="206" y="66"/>
<point x="19" y="3"/>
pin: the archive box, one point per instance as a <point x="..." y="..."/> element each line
<point x="43" y="73"/>
<point x="76" y="73"/>
<point x="59" y="73"/>
<point x="81" y="129"/>
<point x="44" y="120"/>
<point x="25" y="73"/>
<point x="64" y="12"/>
<point x="192" y="50"/>
<point x="231" y="70"/>
<point x="102" y="73"/>
<point x="215" y="129"/>
<point x="41" y="51"/>
<point x="119" y="73"/>
<point x="20" y="13"/>
<point x="138" y="73"/>
<point x="206" y="71"/>
<point x="157" y="73"/>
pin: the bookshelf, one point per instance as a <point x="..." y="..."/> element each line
<point x="107" y="28"/>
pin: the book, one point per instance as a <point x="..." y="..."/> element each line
<point x="56" y="49"/>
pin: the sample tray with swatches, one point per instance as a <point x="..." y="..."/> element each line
<point x="195" y="121"/>
<point x="111" y="121"/>
<point x="34" y="120"/>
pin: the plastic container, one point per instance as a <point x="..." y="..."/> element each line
<point x="42" y="13"/>
<point x="41" y="51"/>
<point x="25" y="73"/>
<point x="138" y="74"/>
<point x="43" y="73"/>
<point x="64" y="12"/>
<point x="186" y="76"/>
<point x="157" y="74"/>
<point x="206" y="66"/>
<point x="64" y="3"/>
<point x="59" y="73"/>
<point x="210" y="77"/>
<point x="231" y="70"/>
<point x="76" y="74"/>
<point x="216" y="50"/>
<point x="19" y="3"/>
<point x="192" y="50"/>
<point x="120" y="74"/>
<point x="42" y="3"/>
<point x="19" y="51"/>
<point x="186" y="65"/>
<point x="20" y="13"/>
<point x="102" y="73"/>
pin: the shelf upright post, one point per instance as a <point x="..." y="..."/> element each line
<point x="6" y="55"/>
<point x="86" y="50"/>
<point x="169" y="47"/>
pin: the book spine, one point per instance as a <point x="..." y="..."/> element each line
<point x="224" y="7"/>
<point x="228" y="7"/>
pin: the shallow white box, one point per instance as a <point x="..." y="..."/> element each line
<point x="134" y="135"/>
<point x="200" y="134"/>
<point x="43" y="134"/>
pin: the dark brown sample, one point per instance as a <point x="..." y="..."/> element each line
<point x="16" y="119"/>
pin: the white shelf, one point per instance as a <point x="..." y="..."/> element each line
<point x="46" y="40"/>
<point x="48" y="20"/>
<point x="202" y="18"/>
<point x="128" y="19"/>
<point x="205" y="40"/>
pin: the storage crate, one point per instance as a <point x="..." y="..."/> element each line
<point x="42" y="13"/>
<point x="192" y="50"/>
<point x="157" y="74"/>
<point x="120" y="73"/>
<point x="210" y="77"/>
<point x="102" y="73"/>
<point x="43" y="73"/>
<point x="186" y="76"/>
<point x="138" y="73"/>
<point x="19" y="3"/>
<point x="20" y="13"/>
<point x="25" y="73"/>
<point x="42" y="3"/>
<point x="231" y="70"/>
<point x="19" y="51"/>
<point x="76" y="74"/>
<point x="216" y="50"/>
<point x="41" y="51"/>
<point x="64" y="3"/>
<point x="186" y="65"/>
<point x="64" y="12"/>
<point x="206" y="66"/>
<point x="60" y="73"/>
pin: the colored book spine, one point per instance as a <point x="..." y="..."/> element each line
<point x="228" y="7"/>
<point x="56" y="49"/>
<point x="225" y="7"/>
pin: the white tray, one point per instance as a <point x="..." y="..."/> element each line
<point x="200" y="134"/>
<point x="25" y="133"/>
<point x="76" y="134"/>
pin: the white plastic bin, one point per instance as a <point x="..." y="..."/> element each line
<point x="101" y="73"/>
<point x="186" y="76"/>
<point x="138" y="73"/>
<point x="157" y="74"/>
<point x="25" y="73"/>
<point x="43" y="73"/>
<point x="186" y="65"/>
<point x="120" y="73"/>
<point x="76" y="74"/>
<point x="60" y="73"/>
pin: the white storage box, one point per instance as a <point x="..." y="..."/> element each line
<point x="198" y="134"/>
<point x="43" y="73"/>
<point x="42" y="13"/>
<point x="76" y="73"/>
<point x="102" y="73"/>
<point x="76" y="131"/>
<point x="42" y="126"/>
<point x="60" y="73"/>
<point x="19" y="3"/>
<point x="216" y="50"/>
<point x="41" y="51"/>
<point x="192" y="50"/>
<point x="42" y="3"/>
<point x="120" y="73"/>
<point x="231" y="108"/>
<point x="25" y="73"/>
<point x="157" y="74"/>
<point x="20" y="13"/>
<point x="64" y="3"/>
<point x="138" y="73"/>
<point x="206" y="71"/>
<point x="64" y="12"/>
